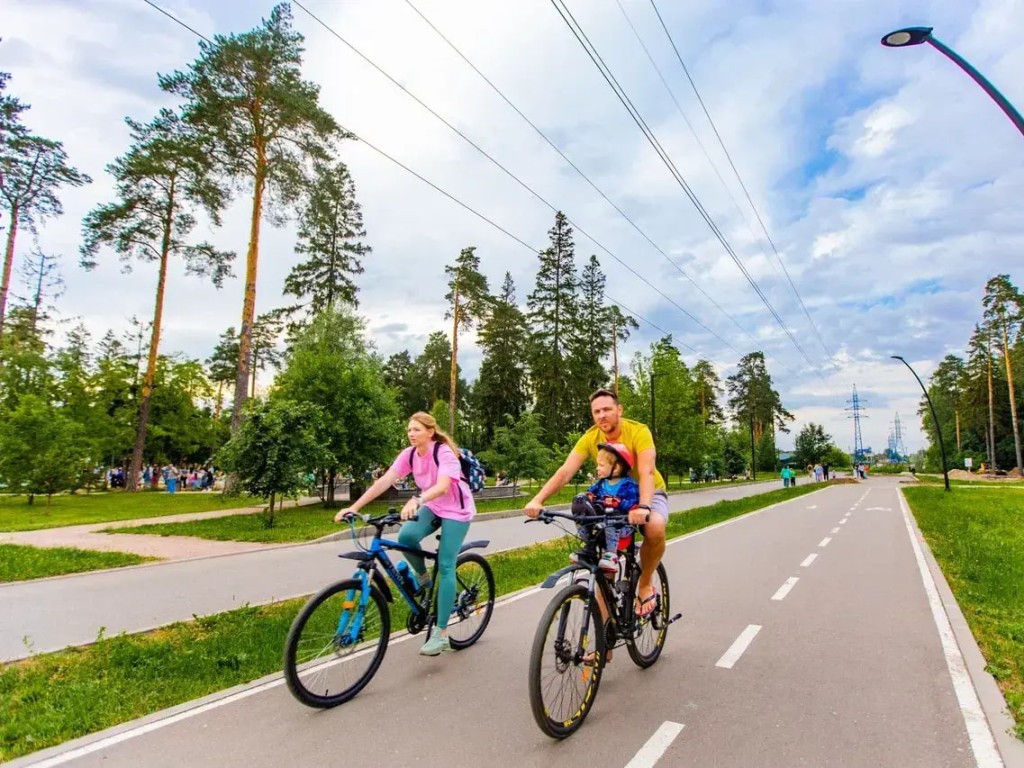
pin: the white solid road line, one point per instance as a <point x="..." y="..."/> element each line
<point x="784" y="589"/>
<point x="982" y="742"/>
<point x="808" y="560"/>
<point x="835" y="530"/>
<point x="824" y="542"/>
<point x="741" y="644"/>
<point x="655" y="747"/>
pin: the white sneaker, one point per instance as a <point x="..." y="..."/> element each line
<point x="609" y="562"/>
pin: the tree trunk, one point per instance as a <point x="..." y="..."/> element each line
<point x="8" y="264"/>
<point x="220" y="401"/>
<point x="455" y="358"/>
<point x="31" y="499"/>
<point x="332" y="476"/>
<point x="957" y="414"/>
<point x="249" y="302"/>
<point x="255" y="367"/>
<point x="132" y="481"/>
<point x="991" y="415"/>
<point x="1013" y="400"/>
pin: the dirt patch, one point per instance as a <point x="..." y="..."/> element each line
<point x="962" y="474"/>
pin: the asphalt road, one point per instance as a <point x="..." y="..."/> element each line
<point x="50" y="614"/>
<point x="845" y="666"/>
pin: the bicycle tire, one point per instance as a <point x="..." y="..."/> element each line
<point x="296" y="668"/>
<point x="557" y="611"/>
<point x="657" y="621"/>
<point x="487" y="607"/>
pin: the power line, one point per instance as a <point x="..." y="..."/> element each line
<point x="442" y="191"/>
<point x="576" y="168"/>
<point x="743" y="186"/>
<point x="509" y="173"/>
<point x="613" y="83"/>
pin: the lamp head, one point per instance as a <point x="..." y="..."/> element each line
<point x="902" y="38"/>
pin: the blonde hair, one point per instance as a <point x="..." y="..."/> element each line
<point x="429" y="422"/>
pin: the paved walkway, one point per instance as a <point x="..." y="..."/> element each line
<point x="90" y="536"/>
<point x="49" y="614"/>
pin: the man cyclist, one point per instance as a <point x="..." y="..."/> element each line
<point x="652" y="512"/>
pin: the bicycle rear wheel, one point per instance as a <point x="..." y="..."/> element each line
<point x="566" y="662"/>
<point x="649" y="632"/>
<point x="474" y="600"/>
<point x="336" y="645"/>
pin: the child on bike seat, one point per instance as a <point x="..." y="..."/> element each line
<point x="616" y="491"/>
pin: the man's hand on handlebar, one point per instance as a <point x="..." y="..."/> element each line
<point x="533" y="508"/>
<point x="345" y="515"/>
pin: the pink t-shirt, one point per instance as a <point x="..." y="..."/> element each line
<point x="457" y="504"/>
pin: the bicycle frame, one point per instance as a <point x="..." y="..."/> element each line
<point x="367" y="573"/>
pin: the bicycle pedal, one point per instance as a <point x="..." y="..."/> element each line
<point x="675" y="618"/>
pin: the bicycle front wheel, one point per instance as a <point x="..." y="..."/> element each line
<point x="474" y="600"/>
<point x="566" y="662"/>
<point x="336" y="644"/>
<point x="649" y="632"/>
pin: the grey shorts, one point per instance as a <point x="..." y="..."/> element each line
<point x="659" y="505"/>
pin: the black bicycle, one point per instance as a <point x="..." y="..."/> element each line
<point x="351" y="620"/>
<point x="570" y="648"/>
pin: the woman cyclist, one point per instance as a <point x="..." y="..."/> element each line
<point x="444" y="501"/>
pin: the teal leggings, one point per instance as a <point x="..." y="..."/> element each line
<point x="453" y="533"/>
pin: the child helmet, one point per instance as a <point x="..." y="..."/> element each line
<point x="621" y="452"/>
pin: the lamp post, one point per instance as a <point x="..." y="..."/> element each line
<point x="938" y="427"/>
<point x="903" y="38"/>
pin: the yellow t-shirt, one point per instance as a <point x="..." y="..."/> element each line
<point x="634" y="435"/>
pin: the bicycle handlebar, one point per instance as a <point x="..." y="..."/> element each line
<point x="545" y="516"/>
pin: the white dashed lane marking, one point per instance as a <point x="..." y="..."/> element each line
<point x="808" y="560"/>
<point x="784" y="589"/>
<point x="656" y="746"/>
<point x="730" y="657"/>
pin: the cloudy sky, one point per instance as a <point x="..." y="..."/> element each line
<point x="888" y="181"/>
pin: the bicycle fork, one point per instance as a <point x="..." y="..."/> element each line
<point x="350" y="623"/>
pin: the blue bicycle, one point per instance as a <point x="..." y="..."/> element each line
<point x="337" y="642"/>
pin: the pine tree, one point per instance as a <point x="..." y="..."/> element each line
<point x="1004" y="310"/>
<point x="708" y="388"/>
<point x="469" y="302"/>
<point x="621" y="327"/>
<point x="501" y="388"/>
<point x="753" y="400"/>
<point x="222" y="365"/>
<point x="245" y="93"/>
<point x="163" y="178"/>
<point x="41" y="276"/>
<point x="596" y="333"/>
<point x="330" y="229"/>
<point x="32" y="172"/>
<point x="554" y="323"/>
<point x="433" y="368"/>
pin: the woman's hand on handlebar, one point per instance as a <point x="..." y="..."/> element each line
<point x="345" y="515"/>
<point x="412" y="506"/>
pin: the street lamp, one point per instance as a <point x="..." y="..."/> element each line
<point x="938" y="427"/>
<point x="904" y="38"/>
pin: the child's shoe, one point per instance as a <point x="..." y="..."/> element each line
<point x="609" y="562"/>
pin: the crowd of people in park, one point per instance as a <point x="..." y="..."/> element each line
<point x="194" y="477"/>
<point x="816" y="473"/>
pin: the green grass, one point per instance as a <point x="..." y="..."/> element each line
<point x="312" y="522"/>
<point x="16" y="514"/>
<point x="20" y="563"/>
<point x="56" y="697"/>
<point x="978" y="541"/>
<point x="1001" y="484"/>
